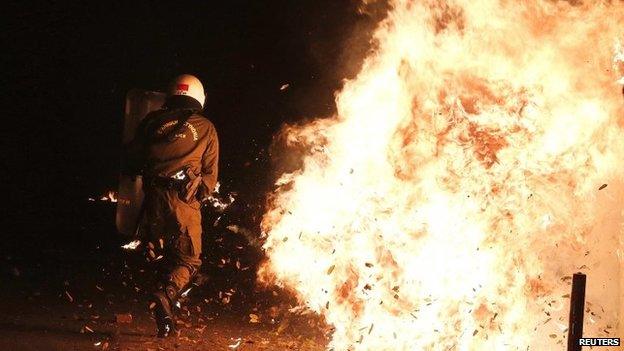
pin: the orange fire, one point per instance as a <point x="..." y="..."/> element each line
<point x="448" y="202"/>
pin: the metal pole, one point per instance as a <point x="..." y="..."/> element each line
<point x="577" y="307"/>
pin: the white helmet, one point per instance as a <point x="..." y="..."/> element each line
<point x="188" y="85"/>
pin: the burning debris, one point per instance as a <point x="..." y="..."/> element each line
<point x="109" y="196"/>
<point x="236" y="344"/>
<point x="69" y="297"/>
<point x="219" y="203"/>
<point x="456" y="184"/>
<point x="131" y="245"/>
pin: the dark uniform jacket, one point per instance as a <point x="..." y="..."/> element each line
<point x="170" y="139"/>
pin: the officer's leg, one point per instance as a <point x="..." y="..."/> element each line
<point x="157" y="213"/>
<point x="165" y="235"/>
<point x="186" y="247"/>
<point x="184" y="256"/>
<point x="186" y="261"/>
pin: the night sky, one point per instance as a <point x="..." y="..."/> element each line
<point x="71" y="64"/>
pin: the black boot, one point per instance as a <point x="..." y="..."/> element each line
<point x="163" y="311"/>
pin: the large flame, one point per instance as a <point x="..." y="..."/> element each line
<point x="448" y="201"/>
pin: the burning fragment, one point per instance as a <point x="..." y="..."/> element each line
<point x="110" y="196"/>
<point x="236" y="344"/>
<point x="220" y="203"/>
<point x="185" y="293"/>
<point x="254" y="318"/>
<point x="131" y="245"/>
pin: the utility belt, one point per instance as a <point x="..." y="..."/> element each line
<point x="167" y="183"/>
<point x="184" y="181"/>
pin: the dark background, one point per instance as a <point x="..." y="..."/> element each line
<point x="70" y="65"/>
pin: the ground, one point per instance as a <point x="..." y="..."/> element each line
<point x="33" y="325"/>
<point x="83" y="292"/>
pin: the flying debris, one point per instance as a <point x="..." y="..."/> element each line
<point x="131" y="245"/>
<point x="219" y="203"/>
<point x="110" y="196"/>
<point x="185" y="293"/>
<point x="254" y="318"/>
<point x="236" y="344"/>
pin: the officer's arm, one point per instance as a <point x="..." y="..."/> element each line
<point x="210" y="162"/>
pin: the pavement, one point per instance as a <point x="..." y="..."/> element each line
<point x="66" y="284"/>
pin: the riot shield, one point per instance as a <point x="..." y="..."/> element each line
<point x="130" y="198"/>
